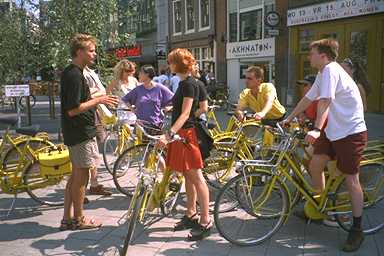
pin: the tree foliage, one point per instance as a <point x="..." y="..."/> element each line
<point x="36" y="37"/>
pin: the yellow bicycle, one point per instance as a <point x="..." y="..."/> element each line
<point x="258" y="200"/>
<point x="156" y="186"/>
<point x="41" y="172"/>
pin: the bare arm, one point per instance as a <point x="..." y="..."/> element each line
<point x="185" y="112"/>
<point x="203" y="108"/>
<point x="322" y="112"/>
<point x="111" y="86"/>
<point x="300" y="108"/>
<point x="109" y="100"/>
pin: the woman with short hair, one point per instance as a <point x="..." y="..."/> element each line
<point x="186" y="157"/>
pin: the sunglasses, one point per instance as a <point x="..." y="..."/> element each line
<point x="348" y="61"/>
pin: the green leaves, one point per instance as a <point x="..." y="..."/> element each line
<point x="38" y="35"/>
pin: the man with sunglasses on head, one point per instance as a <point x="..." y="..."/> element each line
<point x="259" y="97"/>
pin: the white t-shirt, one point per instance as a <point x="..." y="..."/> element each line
<point x="175" y="80"/>
<point x="346" y="113"/>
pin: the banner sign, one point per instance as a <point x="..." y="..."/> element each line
<point x="333" y="10"/>
<point x="255" y="48"/>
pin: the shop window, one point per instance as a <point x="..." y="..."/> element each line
<point x="204" y="14"/>
<point x="190" y="15"/>
<point x="306" y="36"/>
<point x="204" y="57"/>
<point x="359" y="49"/>
<point x="176" y="17"/>
<point x="251" y="25"/>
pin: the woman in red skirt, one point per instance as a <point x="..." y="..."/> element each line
<point x="186" y="157"/>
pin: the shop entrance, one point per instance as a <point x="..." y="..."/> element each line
<point x="358" y="39"/>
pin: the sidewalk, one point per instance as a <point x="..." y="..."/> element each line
<point x="32" y="229"/>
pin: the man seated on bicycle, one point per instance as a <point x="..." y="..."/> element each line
<point x="345" y="135"/>
<point x="259" y="97"/>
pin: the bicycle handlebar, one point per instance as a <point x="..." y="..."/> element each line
<point x="156" y="137"/>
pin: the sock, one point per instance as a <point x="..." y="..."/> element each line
<point x="356" y="222"/>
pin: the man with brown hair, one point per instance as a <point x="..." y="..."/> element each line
<point x="79" y="131"/>
<point x="259" y="97"/>
<point x="345" y="135"/>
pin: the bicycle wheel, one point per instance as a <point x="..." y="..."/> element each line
<point x="372" y="181"/>
<point x="259" y="214"/>
<point x="219" y="168"/>
<point x="127" y="167"/>
<point x="171" y="195"/>
<point x="23" y="101"/>
<point x="12" y="155"/>
<point x="135" y="206"/>
<point x="110" y="150"/>
<point x="45" y="190"/>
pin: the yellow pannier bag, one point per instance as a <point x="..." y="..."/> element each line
<point x="54" y="161"/>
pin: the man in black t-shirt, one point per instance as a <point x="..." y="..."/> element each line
<point x="79" y="131"/>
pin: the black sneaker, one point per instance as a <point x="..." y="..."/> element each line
<point x="354" y="240"/>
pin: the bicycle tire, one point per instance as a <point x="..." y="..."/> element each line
<point x="32" y="101"/>
<point x="109" y="148"/>
<point x="133" y="220"/>
<point x="168" y="203"/>
<point x="12" y="156"/>
<point x="126" y="167"/>
<point x="371" y="177"/>
<point x="235" y="232"/>
<point x="44" y="190"/>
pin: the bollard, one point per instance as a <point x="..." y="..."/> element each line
<point x="28" y="107"/>
<point x="59" y="135"/>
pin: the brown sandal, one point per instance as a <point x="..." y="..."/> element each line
<point x="85" y="223"/>
<point x="65" y="225"/>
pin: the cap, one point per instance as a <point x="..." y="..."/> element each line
<point x="308" y="79"/>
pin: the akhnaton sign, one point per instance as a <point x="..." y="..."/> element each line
<point x="333" y="10"/>
<point x="248" y="49"/>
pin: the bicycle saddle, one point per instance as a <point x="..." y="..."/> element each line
<point x="9" y="120"/>
<point x="29" y="130"/>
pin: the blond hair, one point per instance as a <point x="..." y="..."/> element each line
<point x="121" y="66"/>
<point x="81" y="42"/>
<point x="329" y="47"/>
<point x="257" y="71"/>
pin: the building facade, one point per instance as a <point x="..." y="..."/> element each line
<point x="138" y="19"/>
<point x="252" y="27"/>
<point x="358" y="25"/>
<point x="199" y="25"/>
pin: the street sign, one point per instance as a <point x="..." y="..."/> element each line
<point x="272" y="19"/>
<point x="17" y="90"/>
<point x="273" y="32"/>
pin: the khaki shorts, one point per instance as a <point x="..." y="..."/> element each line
<point x="85" y="154"/>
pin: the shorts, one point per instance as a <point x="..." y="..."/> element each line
<point x="182" y="156"/>
<point x="346" y="151"/>
<point x="85" y="154"/>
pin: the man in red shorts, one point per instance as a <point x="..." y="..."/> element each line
<point x="345" y="134"/>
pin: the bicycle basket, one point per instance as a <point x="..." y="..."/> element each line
<point x="54" y="161"/>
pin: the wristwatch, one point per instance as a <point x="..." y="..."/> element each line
<point x="171" y="134"/>
<point x="316" y="129"/>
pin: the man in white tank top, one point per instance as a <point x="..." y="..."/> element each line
<point x="345" y="135"/>
<point x="96" y="89"/>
